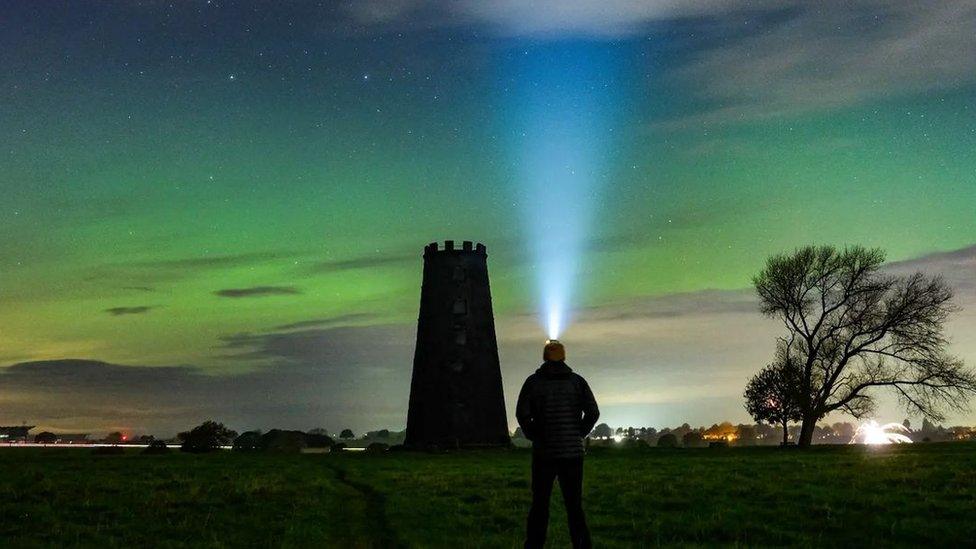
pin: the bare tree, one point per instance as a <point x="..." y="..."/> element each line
<point x="854" y="328"/>
<point x="772" y="395"/>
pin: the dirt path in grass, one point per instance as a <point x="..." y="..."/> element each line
<point x="381" y="534"/>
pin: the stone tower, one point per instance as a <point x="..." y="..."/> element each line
<point x="456" y="396"/>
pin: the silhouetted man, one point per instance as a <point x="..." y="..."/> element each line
<point x="556" y="409"/>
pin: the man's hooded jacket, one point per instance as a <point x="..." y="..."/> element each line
<point x="556" y="409"/>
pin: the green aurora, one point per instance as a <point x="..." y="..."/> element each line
<point x="155" y="157"/>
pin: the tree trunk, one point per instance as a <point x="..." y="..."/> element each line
<point x="786" y="433"/>
<point x="806" y="432"/>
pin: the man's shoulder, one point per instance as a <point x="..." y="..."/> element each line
<point x="578" y="378"/>
<point x="531" y="379"/>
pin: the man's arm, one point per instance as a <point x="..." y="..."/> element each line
<point x="523" y="410"/>
<point x="591" y="412"/>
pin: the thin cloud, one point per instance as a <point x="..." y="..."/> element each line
<point x="325" y="322"/>
<point x="542" y="18"/>
<point x="747" y="61"/>
<point x="356" y="377"/>
<point x="208" y="262"/>
<point x="163" y="400"/>
<point x="962" y="256"/>
<point x="257" y="291"/>
<point x="829" y="57"/>
<point x="957" y="267"/>
<point x="141" y="275"/>
<point x="366" y="262"/>
<point x="122" y="311"/>
<point x="672" y="306"/>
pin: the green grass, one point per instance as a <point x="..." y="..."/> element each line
<point x="829" y="496"/>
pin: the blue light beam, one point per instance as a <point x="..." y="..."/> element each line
<point x="565" y="99"/>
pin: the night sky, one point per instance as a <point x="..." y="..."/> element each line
<point x="217" y="209"/>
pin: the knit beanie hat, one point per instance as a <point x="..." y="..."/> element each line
<point x="554" y="351"/>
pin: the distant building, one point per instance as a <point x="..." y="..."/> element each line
<point x="73" y="438"/>
<point x="15" y="433"/>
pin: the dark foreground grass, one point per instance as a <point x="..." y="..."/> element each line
<point x="829" y="496"/>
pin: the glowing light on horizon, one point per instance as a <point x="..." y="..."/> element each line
<point x="870" y="432"/>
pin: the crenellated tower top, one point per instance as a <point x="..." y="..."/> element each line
<point x="467" y="246"/>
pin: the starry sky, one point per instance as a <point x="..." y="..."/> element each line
<point x="218" y="209"/>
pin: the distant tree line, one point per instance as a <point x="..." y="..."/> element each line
<point x="758" y="434"/>
<point x="211" y="435"/>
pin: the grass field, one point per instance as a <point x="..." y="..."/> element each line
<point x="912" y="494"/>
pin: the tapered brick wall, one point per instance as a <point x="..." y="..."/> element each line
<point x="456" y="396"/>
